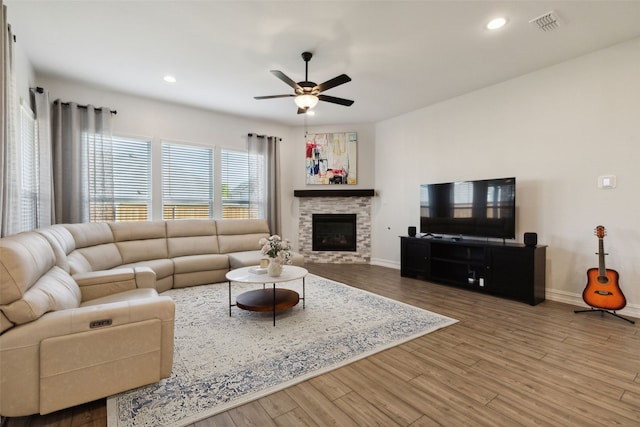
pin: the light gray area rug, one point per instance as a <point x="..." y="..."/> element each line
<point x="221" y="362"/>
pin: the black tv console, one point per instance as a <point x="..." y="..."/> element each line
<point x="508" y="270"/>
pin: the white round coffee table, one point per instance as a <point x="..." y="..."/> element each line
<point x="276" y="299"/>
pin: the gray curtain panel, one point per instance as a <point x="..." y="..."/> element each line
<point x="82" y="162"/>
<point x="44" y="201"/>
<point x="264" y="181"/>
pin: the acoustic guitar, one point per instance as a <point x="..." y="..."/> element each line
<point x="602" y="290"/>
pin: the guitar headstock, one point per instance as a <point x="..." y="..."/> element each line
<point x="600" y="231"/>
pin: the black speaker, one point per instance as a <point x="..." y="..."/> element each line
<point x="530" y="239"/>
<point x="412" y="232"/>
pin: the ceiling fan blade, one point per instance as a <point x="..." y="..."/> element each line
<point x="333" y="99"/>
<point x="273" y="96"/>
<point x="282" y="76"/>
<point x="336" y="81"/>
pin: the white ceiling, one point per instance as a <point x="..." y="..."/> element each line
<point x="401" y="55"/>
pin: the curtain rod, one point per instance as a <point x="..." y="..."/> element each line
<point x="57" y="101"/>
<point x="260" y="136"/>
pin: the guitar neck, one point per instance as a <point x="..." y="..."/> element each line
<point x="602" y="270"/>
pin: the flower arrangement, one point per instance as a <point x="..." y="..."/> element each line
<point x="277" y="249"/>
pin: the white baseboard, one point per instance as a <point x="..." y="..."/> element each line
<point x="631" y="310"/>
<point x="385" y="263"/>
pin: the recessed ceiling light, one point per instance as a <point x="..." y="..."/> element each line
<point x="169" y="79"/>
<point x="496" y="23"/>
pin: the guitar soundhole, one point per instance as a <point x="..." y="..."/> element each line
<point x="603" y="279"/>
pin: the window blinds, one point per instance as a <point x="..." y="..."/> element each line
<point x="132" y="179"/>
<point x="235" y="185"/>
<point x="187" y="181"/>
<point x="28" y="156"/>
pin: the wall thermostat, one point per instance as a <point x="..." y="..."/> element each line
<point x="607" y="181"/>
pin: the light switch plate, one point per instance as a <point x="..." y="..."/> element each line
<point x="607" y="181"/>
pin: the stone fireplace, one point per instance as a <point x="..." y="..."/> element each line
<point x="344" y="229"/>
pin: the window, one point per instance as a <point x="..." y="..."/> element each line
<point x="187" y="181"/>
<point x="235" y="185"/>
<point x="29" y="170"/>
<point x="131" y="179"/>
<point x="185" y="185"/>
<point x="122" y="189"/>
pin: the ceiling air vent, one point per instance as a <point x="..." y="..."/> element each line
<point x="547" y="22"/>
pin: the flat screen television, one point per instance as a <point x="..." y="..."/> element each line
<point x="482" y="208"/>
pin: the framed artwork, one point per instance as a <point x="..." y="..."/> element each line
<point x="331" y="158"/>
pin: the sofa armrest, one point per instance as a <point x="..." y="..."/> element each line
<point x="96" y="284"/>
<point x="145" y="277"/>
<point x="66" y="356"/>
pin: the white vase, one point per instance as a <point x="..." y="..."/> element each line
<point x="274" y="269"/>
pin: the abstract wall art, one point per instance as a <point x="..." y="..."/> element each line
<point x="331" y="158"/>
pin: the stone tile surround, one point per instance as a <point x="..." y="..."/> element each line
<point x="361" y="206"/>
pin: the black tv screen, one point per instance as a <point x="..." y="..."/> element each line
<point x="483" y="208"/>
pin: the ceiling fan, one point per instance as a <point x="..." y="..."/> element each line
<point x="307" y="94"/>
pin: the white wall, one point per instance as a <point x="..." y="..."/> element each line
<point x="24" y="73"/>
<point x="143" y="117"/>
<point x="556" y="130"/>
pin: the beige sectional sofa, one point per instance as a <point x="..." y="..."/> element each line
<point x="81" y="311"/>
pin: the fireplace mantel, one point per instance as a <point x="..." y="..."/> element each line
<point x="334" y="193"/>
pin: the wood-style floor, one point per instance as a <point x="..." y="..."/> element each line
<point x="504" y="363"/>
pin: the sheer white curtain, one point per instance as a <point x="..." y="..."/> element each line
<point x="264" y="178"/>
<point x="82" y="162"/>
<point x="9" y="157"/>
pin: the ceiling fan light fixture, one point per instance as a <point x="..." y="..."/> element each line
<point x="496" y="23"/>
<point x="169" y="78"/>
<point x="306" y="101"/>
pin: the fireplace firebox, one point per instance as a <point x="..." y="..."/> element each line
<point x="334" y="232"/>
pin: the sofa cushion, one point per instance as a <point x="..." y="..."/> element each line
<point x="183" y="280"/>
<point x="90" y="234"/>
<point x="191" y="263"/>
<point x="61" y="241"/>
<point x="130" y="295"/>
<point x="92" y="258"/>
<point x="24" y="258"/>
<point x="95" y="248"/>
<point x="237" y="235"/>
<point x="195" y="270"/>
<point x="141" y="230"/>
<point x="143" y="250"/>
<point x="244" y="259"/>
<point x="140" y="241"/>
<point x="55" y="290"/>
<point x="191" y="237"/>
